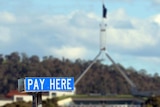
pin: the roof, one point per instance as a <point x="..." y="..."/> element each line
<point x="108" y="99"/>
<point x="14" y="92"/>
<point x="78" y="100"/>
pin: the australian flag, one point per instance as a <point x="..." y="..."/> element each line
<point x="104" y="11"/>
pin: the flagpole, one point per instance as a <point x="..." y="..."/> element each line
<point x="102" y="1"/>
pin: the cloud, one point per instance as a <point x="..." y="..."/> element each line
<point x="156" y="2"/>
<point x="129" y="40"/>
<point x="125" y="34"/>
<point x="156" y="19"/>
<point x="42" y="32"/>
<point x="69" y="52"/>
<point x="5" y="35"/>
<point x="6" y="17"/>
<point x="132" y="35"/>
<point x="120" y="20"/>
<point x="155" y="5"/>
<point x="149" y="63"/>
<point x="74" y="29"/>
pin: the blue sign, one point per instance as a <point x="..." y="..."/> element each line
<point x="41" y="84"/>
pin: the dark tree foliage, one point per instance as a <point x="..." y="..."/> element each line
<point x="50" y="103"/>
<point x="153" y="102"/>
<point x="100" y="78"/>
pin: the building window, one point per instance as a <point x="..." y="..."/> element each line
<point x="53" y="94"/>
<point x="19" y="99"/>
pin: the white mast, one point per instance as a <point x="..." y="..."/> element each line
<point x="103" y="28"/>
<point x="102" y="43"/>
<point x="103" y="49"/>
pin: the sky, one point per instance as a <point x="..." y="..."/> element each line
<point x="70" y="29"/>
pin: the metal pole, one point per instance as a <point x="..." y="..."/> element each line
<point x="34" y="102"/>
<point x="87" y="69"/>
<point x="37" y="99"/>
<point x="121" y="71"/>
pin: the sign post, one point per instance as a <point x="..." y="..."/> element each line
<point x="34" y="98"/>
<point x="37" y="85"/>
<point x="37" y="99"/>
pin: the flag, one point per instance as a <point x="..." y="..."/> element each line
<point x="104" y="11"/>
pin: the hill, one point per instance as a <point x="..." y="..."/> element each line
<point x="103" y="79"/>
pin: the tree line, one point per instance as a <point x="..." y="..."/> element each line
<point x="103" y="79"/>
